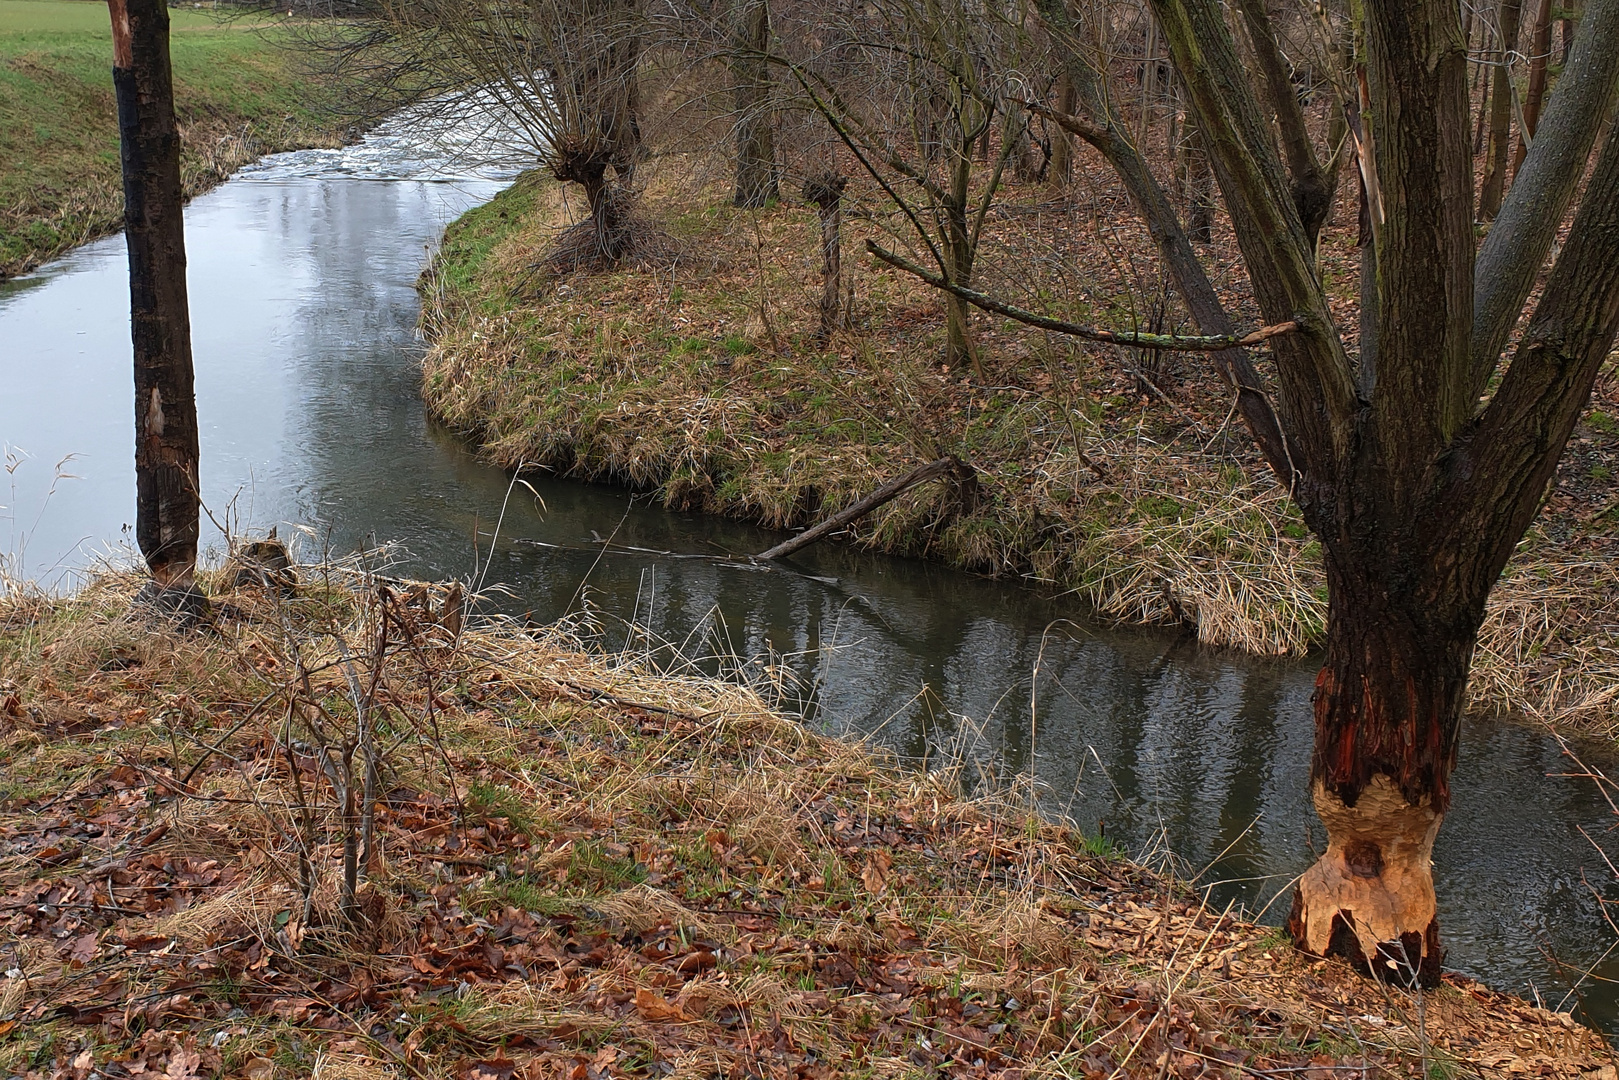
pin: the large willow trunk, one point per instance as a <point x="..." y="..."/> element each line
<point x="1388" y="704"/>
<point x="166" y="499"/>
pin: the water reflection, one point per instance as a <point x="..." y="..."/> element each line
<point x="304" y="321"/>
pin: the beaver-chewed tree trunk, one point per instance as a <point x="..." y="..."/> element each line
<point x="166" y="500"/>
<point x="1418" y="487"/>
<point x="1388" y="706"/>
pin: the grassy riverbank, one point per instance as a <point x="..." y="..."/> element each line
<point x="584" y="868"/>
<point x="236" y="94"/>
<point x="702" y="381"/>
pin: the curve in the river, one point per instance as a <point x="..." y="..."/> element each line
<point x="302" y="275"/>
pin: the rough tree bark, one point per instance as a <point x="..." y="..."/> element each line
<point x="1418" y="496"/>
<point x="166" y="450"/>
<point x="755" y="126"/>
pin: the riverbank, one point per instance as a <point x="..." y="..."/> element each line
<point x="580" y="867"/>
<point x="237" y="96"/>
<point x="1136" y="492"/>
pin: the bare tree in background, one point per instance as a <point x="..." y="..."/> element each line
<point x="911" y="87"/>
<point x="563" y="73"/>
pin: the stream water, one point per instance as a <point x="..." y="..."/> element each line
<point x="303" y="308"/>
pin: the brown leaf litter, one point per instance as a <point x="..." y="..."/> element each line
<point x="586" y="869"/>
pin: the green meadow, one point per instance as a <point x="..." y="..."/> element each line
<point x="237" y="94"/>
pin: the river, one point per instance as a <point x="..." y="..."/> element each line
<point x="303" y="312"/>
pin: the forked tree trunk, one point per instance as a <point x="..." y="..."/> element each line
<point x="166" y="451"/>
<point x="755" y="134"/>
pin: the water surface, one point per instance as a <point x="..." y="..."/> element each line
<point x="301" y="274"/>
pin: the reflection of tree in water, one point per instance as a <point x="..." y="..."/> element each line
<point x="1198" y="741"/>
<point x="363" y="462"/>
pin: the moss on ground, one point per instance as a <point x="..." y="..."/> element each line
<point x="702" y="380"/>
<point x="237" y="94"/>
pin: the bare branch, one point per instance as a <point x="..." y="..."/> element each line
<point x="1133" y="339"/>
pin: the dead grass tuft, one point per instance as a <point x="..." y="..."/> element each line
<point x="585" y="864"/>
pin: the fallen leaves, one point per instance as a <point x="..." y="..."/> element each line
<point x="584" y="888"/>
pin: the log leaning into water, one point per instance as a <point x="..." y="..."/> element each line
<point x="887" y="493"/>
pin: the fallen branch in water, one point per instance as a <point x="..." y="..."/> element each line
<point x="1194" y="343"/>
<point x="850" y="514"/>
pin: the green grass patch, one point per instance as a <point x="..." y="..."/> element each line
<point x="238" y="95"/>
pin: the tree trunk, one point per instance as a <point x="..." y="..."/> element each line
<point x="1539" y="57"/>
<point x="1062" y="143"/>
<point x="1199" y="186"/>
<point x="1495" y="163"/>
<point x="825" y="190"/>
<point x="755" y="124"/>
<point x="1388" y="705"/>
<point x="166" y="500"/>
<point x="958" y="253"/>
<point x="1312" y="192"/>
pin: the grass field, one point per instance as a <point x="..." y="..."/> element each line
<point x="235" y="90"/>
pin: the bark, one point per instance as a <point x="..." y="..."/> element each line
<point x="1495" y="162"/>
<point x="960" y="250"/>
<point x="825" y="191"/>
<point x="1512" y="255"/>
<point x="1062" y="143"/>
<point x="1416" y="65"/>
<point x="1312" y="191"/>
<point x="166" y="449"/>
<point x="1540" y="54"/>
<point x="755" y="123"/>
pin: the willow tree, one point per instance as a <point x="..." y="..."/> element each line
<point x="559" y="76"/>
<point x="1418" y="483"/>
<point x="1419" y="459"/>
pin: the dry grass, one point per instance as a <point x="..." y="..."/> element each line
<point x="589" y="865"/>
<point x="704" y="383"/>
